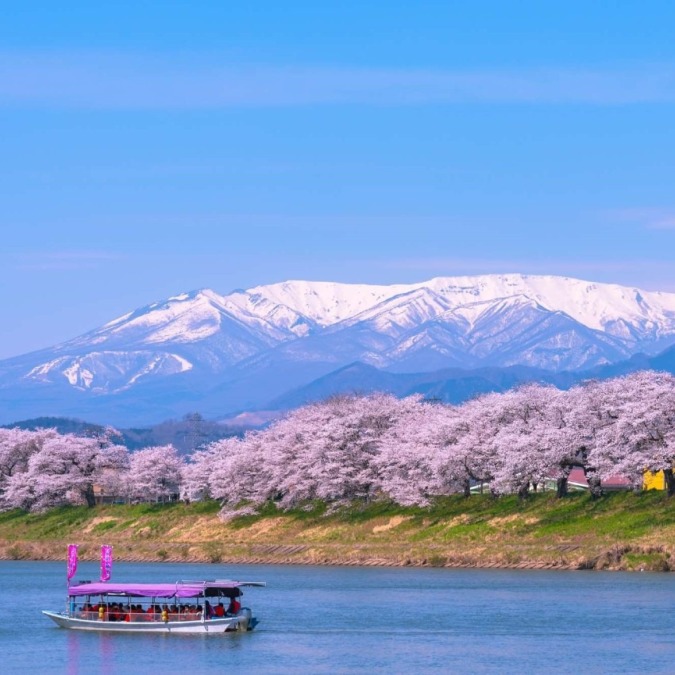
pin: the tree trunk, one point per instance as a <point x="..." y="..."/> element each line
<point x="89" y="496"/>
<point x="561" y="486"/>
<point x="524" y="491"/>
<point x="670" y="482"/>
<point x="467" y="488"/>
<point x="594" y="484"/>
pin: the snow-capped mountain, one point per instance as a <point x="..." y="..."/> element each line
<point x="252" y="345"/>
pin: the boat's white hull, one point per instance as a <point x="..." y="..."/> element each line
<point x="242" y="622"/>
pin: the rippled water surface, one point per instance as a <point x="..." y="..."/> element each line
<point x="348" y="620"/>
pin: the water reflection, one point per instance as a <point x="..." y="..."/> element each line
<point x="106" y="653"/>
<point x="73" y="651"/>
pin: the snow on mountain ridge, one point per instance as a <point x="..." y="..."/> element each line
<point x="108" y="371"/>
<point x="595" y="305"/>
<point x="292" y="309"/>
<point x="186" y="317"/>
<point x="517" y="318"/>
<point x="592" y="304"/>
<point x="473" y="312"/>
<point x="402" y="311"/>
<point x="327" y="302"/>
<point x="256" y="307"/>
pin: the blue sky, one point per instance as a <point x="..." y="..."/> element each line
<point x="154" y="148"/>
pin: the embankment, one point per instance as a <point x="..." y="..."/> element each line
<point x="620" y="531"/>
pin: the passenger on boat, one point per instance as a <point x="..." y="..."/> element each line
<point x="208" y="610"/>
<point x="87" y="612"/>
<point x="220" y="610"/>
<point x="234" y="606"/>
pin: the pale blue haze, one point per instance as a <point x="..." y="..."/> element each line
<point x="375" y="620"/>
<point x="153" y="148"/>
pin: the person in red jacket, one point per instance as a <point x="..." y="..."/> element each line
<point x="234" y="607"/>
<point x="219" y="610"/>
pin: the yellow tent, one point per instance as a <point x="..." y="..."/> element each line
<point x="653" y="480"/>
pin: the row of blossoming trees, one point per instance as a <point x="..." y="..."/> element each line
<point x="42" y="469"/>
<point x="364" y="448"/>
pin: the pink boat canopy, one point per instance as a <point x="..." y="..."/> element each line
<point x="180" y="589"/>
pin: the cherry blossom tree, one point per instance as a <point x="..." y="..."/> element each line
<point x="325" y="451"/>
<point x="242" y="470"/>
<point x="474" y="450"/>
<point x="63" y="470"/>
<point x="342" y="453"/>
<point x="586" y="413"/>
<point x="16" y="448"/>
<point x="411" y="465"/>
<point x="196" y="474"/>
<point x="523" y="458"/>
<point x="642" y="433"/>
<point x="154" y="473"/>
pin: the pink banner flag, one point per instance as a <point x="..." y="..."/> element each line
<point x="106" y="562"/>
<point x="72" y="561"/>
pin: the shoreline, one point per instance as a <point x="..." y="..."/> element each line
<point x="54" y="551"/>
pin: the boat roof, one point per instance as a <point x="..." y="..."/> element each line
<point x="178" y="589"/>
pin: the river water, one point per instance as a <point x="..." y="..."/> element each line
<point x="351" y="620"/>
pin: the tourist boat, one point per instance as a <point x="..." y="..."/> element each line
<point x="181" y="607"/>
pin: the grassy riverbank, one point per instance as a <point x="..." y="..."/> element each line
<point x="619" y="531"/>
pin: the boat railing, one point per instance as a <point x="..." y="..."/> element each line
<point x="135" y="617"/>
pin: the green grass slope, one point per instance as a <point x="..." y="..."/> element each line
<point x="620" y="531"/>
